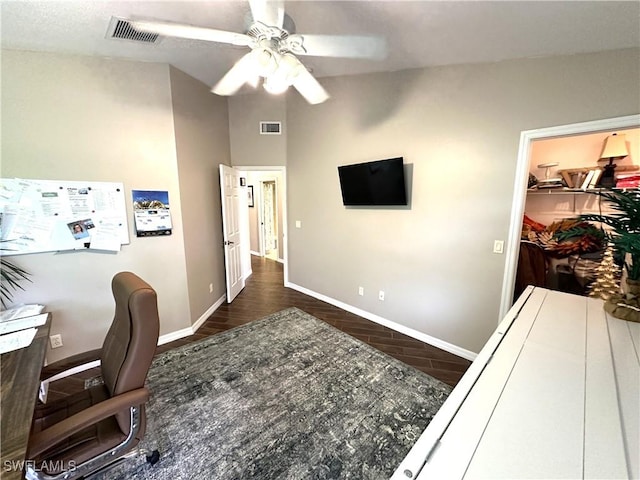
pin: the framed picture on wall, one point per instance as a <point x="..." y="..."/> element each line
<point x="250" y="195"/>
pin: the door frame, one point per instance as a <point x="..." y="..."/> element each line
<point x="283" y="195"/>
<point x="520" y="188"/>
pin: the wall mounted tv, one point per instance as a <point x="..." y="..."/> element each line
<point x="373" y="183"/>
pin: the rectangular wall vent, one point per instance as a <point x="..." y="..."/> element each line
<point x="270" y="128"/>
<point x="121" y="29"/>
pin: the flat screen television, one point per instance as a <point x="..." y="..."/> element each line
<point x="373" y="183"/>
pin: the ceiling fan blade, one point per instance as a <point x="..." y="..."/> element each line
<point x="347" y="46"/>
<point x="171" y="29"/>
<point x="269" y="12"/>
<point x="309" y="87"/>
<point x="242" y="72"/>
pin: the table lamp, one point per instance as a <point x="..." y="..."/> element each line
<point x="614" y="146"/>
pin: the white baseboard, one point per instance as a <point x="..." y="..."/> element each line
<point x="162" y="339"/>
<point x="185" y="332"/>
<point x="177" y="335"/>
<point x="208" y="313"/>
<point x="423" y="337"/>
<point x="257" y="254"/>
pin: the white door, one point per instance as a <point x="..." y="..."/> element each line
<point x="230" y="198"/>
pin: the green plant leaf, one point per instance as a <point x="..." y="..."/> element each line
<point x="624" y="224"/>
<point x="11" y="278"/>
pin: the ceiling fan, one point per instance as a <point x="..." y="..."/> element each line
<point x="274" y="47"/>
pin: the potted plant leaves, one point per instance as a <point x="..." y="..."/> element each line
<point x="11" y="277"/>
<point x="624" y="235"/>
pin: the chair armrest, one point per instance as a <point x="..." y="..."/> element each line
<point x="49" y="437"/>
<point x="68" y="363"/>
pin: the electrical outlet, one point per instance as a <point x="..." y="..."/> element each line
<point x="381" y="296"/>
<point x="55" y="340"/>
<point x="211" y="288"/>
<point x="360" y="291"/>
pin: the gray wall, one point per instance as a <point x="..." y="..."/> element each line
<point x="248" y="147"/>
<point x="458" y="128"/>
<point x="75" y="118"/>
<point x="79" y="118"/>
<point x="202" y="141"/>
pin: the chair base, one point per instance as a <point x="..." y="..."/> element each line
<point x="97" y="463"/>
<point x="115" y="463"/>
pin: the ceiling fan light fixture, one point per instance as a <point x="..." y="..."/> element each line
<point x="285" y="75"/>
<point x="290" y="63"/>
<point x="242" y="72"/>
<point x="253" y="80"/>
<point x="266" y="62"/>
<point x="275" y="85"/>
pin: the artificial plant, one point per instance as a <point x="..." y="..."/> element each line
<point x="11" y="277"/>
<point x="624" y="223"/>
<point x="607" y="282"/>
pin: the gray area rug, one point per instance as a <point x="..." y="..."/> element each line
<point x="284" y="397"/>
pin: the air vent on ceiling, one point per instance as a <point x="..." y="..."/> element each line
<point x="121" y="29"/>
<point x="270" y="128"/>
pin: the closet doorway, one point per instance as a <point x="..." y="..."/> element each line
<point x="521" y="182"/>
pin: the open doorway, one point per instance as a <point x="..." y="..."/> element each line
<point x="267" y="212"/>
<point x="521" y="182"/>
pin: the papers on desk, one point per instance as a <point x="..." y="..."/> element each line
<point x="16" y="340"/>
<point x="20" y="312"/>
<point x="18" y="326"/>
<point x="10" y="326"/>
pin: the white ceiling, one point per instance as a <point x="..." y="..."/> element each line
<point x="419" y="33"/>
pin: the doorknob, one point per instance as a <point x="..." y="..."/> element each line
<point x="227" y="242"/>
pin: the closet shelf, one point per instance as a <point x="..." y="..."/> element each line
<point x="570" y="191"/>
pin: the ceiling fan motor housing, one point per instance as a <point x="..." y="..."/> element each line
<point x="288" y="25"/>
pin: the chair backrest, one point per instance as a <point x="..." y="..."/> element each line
<point x="131" y="341"/>
<point x="532" y="267"/>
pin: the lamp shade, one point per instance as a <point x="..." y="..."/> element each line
<point x="615" y="146"/>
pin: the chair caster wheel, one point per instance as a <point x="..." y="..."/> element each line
<point x="154" y="457"/>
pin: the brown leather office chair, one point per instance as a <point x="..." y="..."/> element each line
<point x="83" y="432"/>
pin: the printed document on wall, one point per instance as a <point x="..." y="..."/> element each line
<point x="151" y="213"/>
<point x="54" y="215"/>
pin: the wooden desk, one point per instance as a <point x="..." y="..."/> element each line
<point x="555" y="393"/>
<point x="20" y="378"/>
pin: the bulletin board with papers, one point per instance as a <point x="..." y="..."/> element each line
<point x="53" y="215"/>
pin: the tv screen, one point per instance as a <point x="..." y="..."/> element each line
<point x="373" y="183"/>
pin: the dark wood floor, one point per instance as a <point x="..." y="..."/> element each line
<point x="264" y="294"/>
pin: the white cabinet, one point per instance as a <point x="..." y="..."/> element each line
<point x="555" y="393"/>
